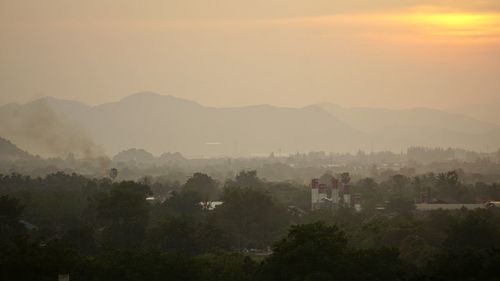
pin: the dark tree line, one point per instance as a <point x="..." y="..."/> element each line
<point x="97" y="229"/>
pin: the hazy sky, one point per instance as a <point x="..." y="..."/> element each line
<point x="389" y="53"/>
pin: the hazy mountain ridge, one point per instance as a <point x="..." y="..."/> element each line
<point x="375" y="119"/>
<point x="485" y="112"/>
<point x="392" y="129"/>
<point x="10" y="152"/>
<point x="142" y="156"/>
<point x="165" y="123"/>
<point x="161" y="123"/>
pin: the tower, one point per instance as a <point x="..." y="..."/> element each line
<point x="335" y="191"/>
<point x="346" y="195"/>
<point x="314" y="194"/>
<point x="357" y="202"/>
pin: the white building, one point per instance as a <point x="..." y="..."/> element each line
<point x="330" y="195"/>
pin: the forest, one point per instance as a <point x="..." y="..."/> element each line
<point x="156" y="229"/>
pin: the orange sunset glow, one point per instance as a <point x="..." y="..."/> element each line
<point x="275" y="50"/>
<point x="454" y="24"/>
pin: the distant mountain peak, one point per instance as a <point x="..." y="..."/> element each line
<point x="327" y="104"/>
<point x="143" y="95"/>
<point x="373" y="119"/>
<point x="155" y="97"/>
<point x="160" y="123"/>
<point x="53" y="100"/>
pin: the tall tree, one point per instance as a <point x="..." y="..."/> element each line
<point x="123" y="214"/>
<point x="204" y="185"/>
<point x="10" y="213"/>
<point x="252" y="217"/>
<point x="245" y="179"/>
<point x="310" y="252"/>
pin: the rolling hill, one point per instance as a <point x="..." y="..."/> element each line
<point x="10" y="152"/>
<point x="161" y="123"/>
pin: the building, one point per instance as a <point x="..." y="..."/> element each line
<point x="210" y="205"/>
<point x="456" y="206"/>
<point x="447" y="206"/>
<point x="493" y="204"/>
<point x="332" y="195"/>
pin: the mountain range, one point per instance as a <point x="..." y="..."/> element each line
<point x="162" y="123"/>
<point x="487" y="112"/>
<point x="10" y="152"/>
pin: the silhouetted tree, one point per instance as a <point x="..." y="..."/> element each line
<point x="123" y="214"/>
<point x="401" y="205"/>
<point x="310" y="252"/>
<point x="185" y="203"/>
<point x="251" y="217"/>
<point x="345" y="178"/>
<point x="10" y="214"/>
<point x="245" y="179"/>
<point x="175" y="236"/>
<point x="202" y="184"/>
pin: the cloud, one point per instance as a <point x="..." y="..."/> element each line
<point x="421" y="24"/>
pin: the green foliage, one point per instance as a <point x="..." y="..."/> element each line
<point x="370" y="192"/>
<point x="310" y="251"/>
<point x="251" y="217"/>
<point x="345" y="178"/>
<point x="202" y="184"/>
<point x="176" y="236"/>
<point x="27" y="260"/>
<point x="320" y="252"/>
<point x="184" y="203"/>
<point x="226" y="267"/>
<point x="399" y="184"/>
<point x="10" y="214"/>
<point x="416" y="250"/>
<point x="401" y="205"/>
<point x="100" y="230"/>
<point x="123" y="215"/>
<point x="289" y="194"/>
<point x="81" y="238"/>
<point x="470" y="265"/>
<point x="478" y="229"/>
<point x="245" y="179"/>
<point x="10" y="210"/>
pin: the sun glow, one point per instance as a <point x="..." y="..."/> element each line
<point x="454" y="24"/>
<point x="418" y="25"/>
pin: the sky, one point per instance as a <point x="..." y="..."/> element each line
<point x="386" y="53"/>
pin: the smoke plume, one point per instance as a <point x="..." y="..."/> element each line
<point x="37" y="128"/>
